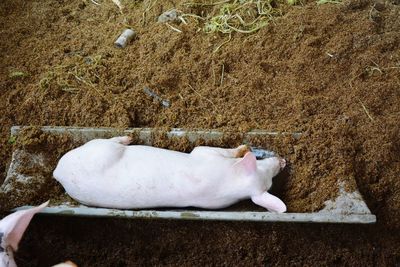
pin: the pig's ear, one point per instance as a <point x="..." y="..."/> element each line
<point x="248" y="164"/>
<point x="270" y="202"/>
<point x="14" y="225"/>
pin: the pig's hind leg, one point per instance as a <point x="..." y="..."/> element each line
<point x="238" y="152"/>
<point x="123" y="140"/>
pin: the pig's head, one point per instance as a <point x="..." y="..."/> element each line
<point x="268" y="168"/>
<point x="259" y="173"/>
<point x="261" y="170"/>
<point x="12" y="227"/>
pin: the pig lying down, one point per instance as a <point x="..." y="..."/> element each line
<point x="12" y="229"/>
<point x="109" y="173"/>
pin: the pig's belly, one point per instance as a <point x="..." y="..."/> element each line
<point x="134" y="183"/>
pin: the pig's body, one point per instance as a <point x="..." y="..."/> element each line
<point x="108" y="173"/>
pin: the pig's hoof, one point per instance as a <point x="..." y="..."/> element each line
<point x="124" y="140"/>
<point x="66" y="264"/>
<point x="242" y="150"/>
<point x="282" y="163"/>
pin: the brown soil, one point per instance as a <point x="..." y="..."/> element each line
<point x="330" y="71"/>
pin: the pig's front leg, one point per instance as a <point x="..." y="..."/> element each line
<point x="270" y="202"/>
<point x="238" y="152"/>
<point x="123" y="140"/>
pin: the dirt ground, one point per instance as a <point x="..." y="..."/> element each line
<point x="331" y="71"/>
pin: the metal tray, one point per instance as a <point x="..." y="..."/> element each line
<point x="348" y="207"/>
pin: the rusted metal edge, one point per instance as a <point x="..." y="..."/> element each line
<point x="83" y="211"/>
<point x="86" y="133"/>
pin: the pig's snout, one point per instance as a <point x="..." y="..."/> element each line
<point x="282" y="163"/>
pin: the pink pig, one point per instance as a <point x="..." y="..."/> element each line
<point x="108" y="173"/>
<point x="12" y="227"/>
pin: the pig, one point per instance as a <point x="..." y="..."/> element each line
<point x="12" y="228"/>
<point x="110" y="173"/>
